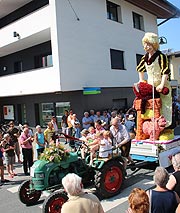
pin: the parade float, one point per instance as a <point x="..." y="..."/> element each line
<point x="155" y="140"/>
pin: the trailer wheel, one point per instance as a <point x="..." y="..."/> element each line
<point x="54" y="202"/>
<point x="109" y="179"/>
<point x="27" y="196"/>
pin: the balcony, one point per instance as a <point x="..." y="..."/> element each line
<point x="33" y="29"/>
<point x="38" y="81"/>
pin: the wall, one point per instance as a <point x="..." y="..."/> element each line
<point x="84" y="45"/>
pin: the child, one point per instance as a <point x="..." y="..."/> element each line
<point x="105" y="144"/>
<point x="91" y="135"/>
<point x="84" y="134"/>
<point x="1" y="162"/>
<point x="94" y="146"/>
<point x="8" y="146"/>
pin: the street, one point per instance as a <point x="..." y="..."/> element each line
<point x="143" y="178"/>
<point x="10" y="202"/>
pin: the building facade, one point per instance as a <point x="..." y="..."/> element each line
<point x="50" y="50"/>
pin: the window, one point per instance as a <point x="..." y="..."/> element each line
<point x="117" y="59"/>
<point x="113" y="11"/>
<point x="45" y="111"/>
<point x="43" y="61"/>
<point x="138" y="21"/>
<point x="138" y="58"/>
<point x="18" y="66"/>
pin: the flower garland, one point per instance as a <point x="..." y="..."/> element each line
<point x="54" y="153"/>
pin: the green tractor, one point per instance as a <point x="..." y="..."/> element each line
<point x="106" y="174"/>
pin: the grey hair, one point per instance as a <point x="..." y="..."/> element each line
<point x="161" y="177"/>
<point x="86" y="113"/>
<point x="176" y="160"/>
<point x="72" y="184"/>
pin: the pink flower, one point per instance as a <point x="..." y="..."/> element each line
<point x="51" y="158"/>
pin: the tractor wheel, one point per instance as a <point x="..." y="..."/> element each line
<point x="109" y="179"/>
<point x="26" y="196"/>
<point x="54" y="202"/>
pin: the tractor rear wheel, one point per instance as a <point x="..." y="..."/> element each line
<point x="54" y="202"/>
<point x="109" y="179"/>
<point x="27" y="196"/>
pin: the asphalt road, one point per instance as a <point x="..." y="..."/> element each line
<point x="10" y="203"/>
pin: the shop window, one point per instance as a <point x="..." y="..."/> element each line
<point x="45" y="111"/>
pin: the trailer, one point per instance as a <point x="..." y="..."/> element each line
<point x="146" y="151"/>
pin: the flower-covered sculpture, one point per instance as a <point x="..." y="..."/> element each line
<point x="154" y="127"/>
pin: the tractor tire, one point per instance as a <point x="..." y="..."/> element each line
<point x="109" y="179"/>
<point x="54" y="202"/>
<point x="27" y="197"/>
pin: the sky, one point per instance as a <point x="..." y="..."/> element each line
<point x="171" y="31"/>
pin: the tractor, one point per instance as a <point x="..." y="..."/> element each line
<point x="106" y="174"/>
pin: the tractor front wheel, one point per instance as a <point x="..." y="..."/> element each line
<point x="27" y="196"/>
<point x="54" y="202"/>
<point x="109" y="179"/>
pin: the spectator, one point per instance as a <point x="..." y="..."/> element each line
<point x="98" y="116"/>
<point x="3" y="180"/>
<point x="174" y="180"/>
<point x="49" y="133"/>
<point x="40" y="141"/>
<point x="105" y="119"/>
<point x="121" y="139"/>
<point x="113" y="115"/>
<point x="176" y="115"/>
<point x="26" y="144"/>
<point x="138" y="201"/>
<point x="26" y="125"/>
<point x="69" y="122"/>
<point x="162" y="199"/>
<point x="64" y="123"/>
<point x="86" y="121"/>
<point x="98" y="126"/>
<point x="8" y="146"/>
<point x="92" y="116"/>
<point x="54" y="123"/>
<point x="131" y="126"/>
<point x="79" y="201"/>
<point x="14" y="135"/>
<point x="76" y="126"/>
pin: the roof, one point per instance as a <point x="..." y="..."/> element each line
<point x="162" y="9"/>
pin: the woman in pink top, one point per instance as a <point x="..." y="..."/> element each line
<point x="26" y="144"/>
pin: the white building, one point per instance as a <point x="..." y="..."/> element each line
<point x="51" y="50"/>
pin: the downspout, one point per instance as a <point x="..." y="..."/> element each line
<point x="166" y="20"/>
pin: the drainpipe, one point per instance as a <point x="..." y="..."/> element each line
<point x="166" y="20"/>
